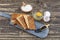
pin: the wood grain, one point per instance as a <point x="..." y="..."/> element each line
<point x="8" y="32"/>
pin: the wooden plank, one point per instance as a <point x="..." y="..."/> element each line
<point x="27" y="36"/>
<point x="10" y="1"/>
<point x="8" y="9"/>
<point x="29" y="39"/>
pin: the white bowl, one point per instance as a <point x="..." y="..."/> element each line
<point x="46" y="19"/>
<point x="26" y="8"/>
<point x="47" y="13"/>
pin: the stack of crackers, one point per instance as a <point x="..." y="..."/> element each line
<point x="23" y="20"/>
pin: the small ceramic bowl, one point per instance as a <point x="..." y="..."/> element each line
<point x="46" y="19"/>
<point x="26" y="8"/>
<point x="38" y="16"/>
<point x="47" y="13"/>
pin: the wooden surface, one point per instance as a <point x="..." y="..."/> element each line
<point x="8" y="32"/>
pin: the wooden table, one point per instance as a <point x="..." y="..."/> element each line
<point x="8" y="32"/>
